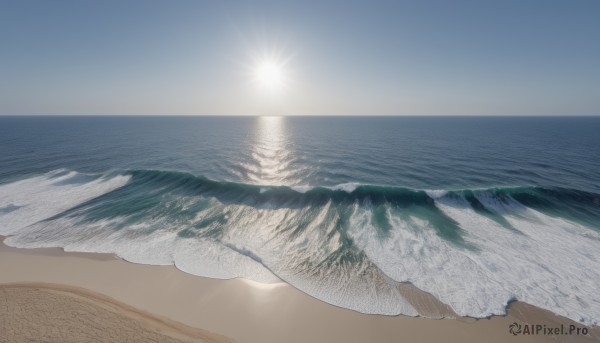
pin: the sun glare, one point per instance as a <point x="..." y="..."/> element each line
<point x="270" y="75"/>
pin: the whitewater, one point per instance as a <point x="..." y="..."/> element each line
<point x="351" y="246"/>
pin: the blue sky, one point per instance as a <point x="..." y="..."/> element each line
<point x="482" y="57"/>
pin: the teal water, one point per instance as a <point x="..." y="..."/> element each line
<point x="477" y="211"/>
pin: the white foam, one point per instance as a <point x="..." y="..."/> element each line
<point x="302" y="189"/>
<point x="414" y="253"/>
<point x="134" y="244"/>
<point x="296" y="259"/>
<point x="553" y="265"/>
<point x="41" y="197"/>
<point x="436" y="193"/>
<point x="211" y="259"/>
<point x="251" y="246"/>
<point x="346" y="187"/>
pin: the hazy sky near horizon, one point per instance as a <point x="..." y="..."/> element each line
<point x="522" y="57"/>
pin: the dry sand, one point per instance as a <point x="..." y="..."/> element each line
<point x="37" y="312"/>
<point x="244" y="311"/>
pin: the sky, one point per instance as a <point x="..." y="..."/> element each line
<point x="147" y="57"/>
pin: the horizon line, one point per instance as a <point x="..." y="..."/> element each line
<point x="293" y="115"/>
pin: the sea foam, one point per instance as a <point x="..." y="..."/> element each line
<point x="31" y="200"/>
<point x="474" y="250"/>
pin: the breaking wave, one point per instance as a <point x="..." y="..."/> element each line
<point x="350" y="245"/>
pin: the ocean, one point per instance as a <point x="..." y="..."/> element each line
<point x="477" y="211"/>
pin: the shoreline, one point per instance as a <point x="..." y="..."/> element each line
<point x="246" y="311"/>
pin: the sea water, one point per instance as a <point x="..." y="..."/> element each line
<point x="477" y="211"/>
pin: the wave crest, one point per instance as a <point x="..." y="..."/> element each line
<point x="351" y="245"/>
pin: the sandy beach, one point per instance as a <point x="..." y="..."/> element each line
<point x="161" y="303"/>
<point x="49" y="312"/>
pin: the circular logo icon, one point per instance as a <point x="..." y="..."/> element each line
<point x="514" y="328"/>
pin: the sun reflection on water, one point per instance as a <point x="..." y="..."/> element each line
<point x="271" y="154"/>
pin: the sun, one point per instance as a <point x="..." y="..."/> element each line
<point x="269" y="74"/>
